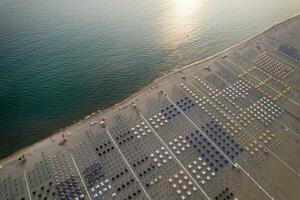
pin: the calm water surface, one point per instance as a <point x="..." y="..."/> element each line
<point x="63" y="59"/>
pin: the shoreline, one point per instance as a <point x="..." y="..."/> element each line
<point x="98" y="113"/>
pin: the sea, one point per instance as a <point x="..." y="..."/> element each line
<point x="61" y="60"/>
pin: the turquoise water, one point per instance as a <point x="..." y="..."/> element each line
<point x="61" y="60"/>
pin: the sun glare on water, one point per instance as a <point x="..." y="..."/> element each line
<point x="186" y="7"/>
<point x="180" y="20"/>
